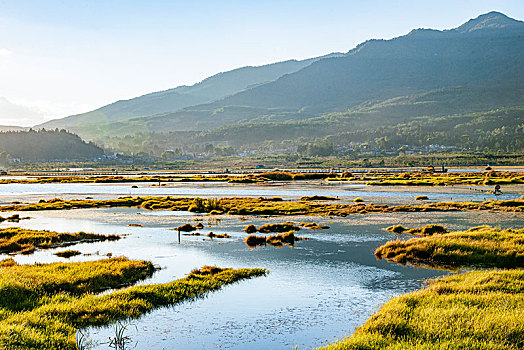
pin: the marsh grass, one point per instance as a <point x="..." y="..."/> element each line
<point x="67" y="253"/>
<point x="288" y="238"/>
<point x="318" y="198"/>
<point x="45" y="316"/>
<point x="17" y="240"/>
<point x="447" y="179"/>
<point x="474" y="310"/>
<point x="427" y="230"/>
<point x="482" y="246"/>
<point x="313" y="226"/>
<point x="24" y="286"/>
<point x="265" y="206"/>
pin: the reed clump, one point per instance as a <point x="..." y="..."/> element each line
<point x="481" y="246"/>
<point x="313" y="226"/>
<point x="67" y="253"/>
<point x="278" y="227"/>
<point x="278" y="240"/>
<point x="17" y="240"/>
<point x="427" y="230"/>
<point x="318" y="198"/>
<point x="186" y="228"/>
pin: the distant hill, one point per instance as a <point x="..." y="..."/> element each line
<point x="485" y="55"/>
<point x="423" y="82"/>
<point x="208" y="90"/>
<point x="430" y="118"/>
<point x="47" y="146"/>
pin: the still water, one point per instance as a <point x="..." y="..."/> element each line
<point x="378" y="194"/>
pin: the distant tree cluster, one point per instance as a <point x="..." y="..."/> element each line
<point x="46" y="145"/>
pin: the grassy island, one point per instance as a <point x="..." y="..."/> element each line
<point x="17" y="240"/>
<point x="481" y="246"/>
<point x="263" y="206"/>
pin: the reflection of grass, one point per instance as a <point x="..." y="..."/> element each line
<point x="475" y="310"/>
<point x="54" y="300"/>
<point x="17" y="240"/>
<point x="480" y="246"/>
<point x="264" y="206"/>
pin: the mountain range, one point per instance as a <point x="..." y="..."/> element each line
<point x="474" y="68"/>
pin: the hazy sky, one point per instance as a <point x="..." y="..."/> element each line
<point x="63" y="57"/>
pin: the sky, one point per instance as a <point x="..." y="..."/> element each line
<point x="63" y="57"/>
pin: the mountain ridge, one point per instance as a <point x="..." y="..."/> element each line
<point x="482" y="56"/>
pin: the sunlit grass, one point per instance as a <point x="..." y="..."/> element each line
<point x="482" y="246"/>
<point x="17" y="240"/>
<point x="263" y="206"/>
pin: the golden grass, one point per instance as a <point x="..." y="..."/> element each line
<point x="482" y="246"/>
<point x="427" y="230"/>
<point x="278" y="240"/>
<point x="17" y="240"/>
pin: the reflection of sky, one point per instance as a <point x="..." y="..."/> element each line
<point x="320" y="290"/>
<point x="224" y="189"/>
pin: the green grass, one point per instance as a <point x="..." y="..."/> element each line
<point x="482" y="246"/>
<point x="475" y="310"/>
<point x="58" y="299"/>
<point x="17" y="240"/>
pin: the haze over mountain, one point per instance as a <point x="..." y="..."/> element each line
<point x="473" y="68"/>
<point x="208" y="90"/>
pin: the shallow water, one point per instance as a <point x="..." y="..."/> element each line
<point x="316" y="292"/>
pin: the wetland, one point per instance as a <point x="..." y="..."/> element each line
<point x="309" y="291"/>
